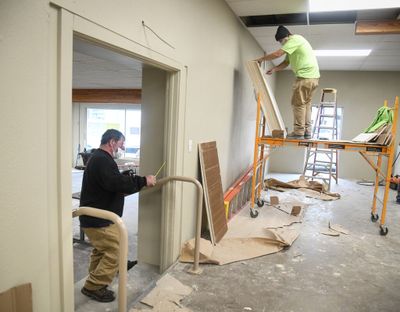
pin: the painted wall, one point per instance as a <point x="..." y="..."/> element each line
<point x="206" y="37"/>
<point x="360" y="94"/>
<point x="151" y="150"/>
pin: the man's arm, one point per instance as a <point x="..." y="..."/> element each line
<point x="271" y="56"/>
<point x="279" y="67"/>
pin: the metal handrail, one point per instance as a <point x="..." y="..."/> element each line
<point x="123" y="247"/>
<point x="196" y="268"/>
<point x="123" y="234"/>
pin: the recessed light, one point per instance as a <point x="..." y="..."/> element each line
<point x="346" y="5"/>
<point x="342" y="52"/>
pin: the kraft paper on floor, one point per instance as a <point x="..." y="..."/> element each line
<point x="247" y="238"/>
<point x="312" y="189"/>
<point x="166" y="296"/>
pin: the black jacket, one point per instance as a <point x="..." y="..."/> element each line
<point x="104" y="187"/>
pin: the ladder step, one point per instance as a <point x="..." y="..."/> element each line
<point x="324" y="127"/>
<point x="326" y="115"/>
<point x="320" y="162"/>
<point x="323" y="151"/>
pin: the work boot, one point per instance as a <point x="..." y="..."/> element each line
<point x="131" y="264"/>
<point x="307" y="136"/>
<point x="293" y="135"/>
<point x="102" y="295"/>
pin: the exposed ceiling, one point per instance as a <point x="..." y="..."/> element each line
<point x="324" y="31"/>
<point x="95" y="67"/>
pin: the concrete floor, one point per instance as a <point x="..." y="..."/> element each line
<point x="355" y="272"/>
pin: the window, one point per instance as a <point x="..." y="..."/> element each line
<point x="127" y="120"/>
<point x="326" y="134"/>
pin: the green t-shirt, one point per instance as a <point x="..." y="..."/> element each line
<point x="301" y="57"/>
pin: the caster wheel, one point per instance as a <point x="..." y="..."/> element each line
<point x="253" y="213"/>
<point x="260" y="203"/>
<point x="374" y="218"/>
<point x="384" y="231"/>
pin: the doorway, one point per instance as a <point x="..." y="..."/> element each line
<point x="103" y="76"/>
<point x="159" y="69"/>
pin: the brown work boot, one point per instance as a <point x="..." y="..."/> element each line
<point x="293" y="135"/>
<point x="102" y="295"/>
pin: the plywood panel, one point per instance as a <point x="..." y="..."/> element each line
<point x="268" y="103"/>
<point x="214" y="200"/>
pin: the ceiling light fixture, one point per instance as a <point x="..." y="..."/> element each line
<point x="342" y="52"/>
<point x="347" y="5"/>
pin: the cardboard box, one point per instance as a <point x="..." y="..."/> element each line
<point x="17" y="299"/>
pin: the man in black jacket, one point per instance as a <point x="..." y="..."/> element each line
<point x="104" y="187"/>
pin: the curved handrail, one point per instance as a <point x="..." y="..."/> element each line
<point x="123" y="242"/>
<point x="195" y="269"/>
<point x="123" y="247"/>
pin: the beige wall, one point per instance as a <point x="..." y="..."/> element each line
<point x="359" y="93"/>
<point x="152" y="155"/>
<point x="219" y="105"/>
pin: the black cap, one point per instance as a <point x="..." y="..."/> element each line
<point x="281" y="32"/>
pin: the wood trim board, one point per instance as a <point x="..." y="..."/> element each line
<point x="107" y="95"/>
<point x="377" y="27"/>
<point x="268" y="103"/>
<point x="214" y="197"/>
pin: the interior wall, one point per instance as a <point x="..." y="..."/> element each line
<point x="151" y="158"/>
<point x="360" y="94"/>
<point x="207" y="40"/>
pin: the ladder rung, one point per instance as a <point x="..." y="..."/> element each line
<point x="323" y="151"/>
<point x="326" y="115"/>
<point x="320" y="162"/>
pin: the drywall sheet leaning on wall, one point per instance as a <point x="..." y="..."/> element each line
<point x="268" y="103"/>
<point x="214" y="197"/>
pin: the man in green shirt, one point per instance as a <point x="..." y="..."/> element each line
<point x="300" y="56"/>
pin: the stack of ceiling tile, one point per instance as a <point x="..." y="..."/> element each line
<point x="382" y="136"/>
<point x="268" y="103"/>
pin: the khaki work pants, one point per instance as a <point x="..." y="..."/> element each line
<point x="104" y="258"/>
<point x="303" y="90"/>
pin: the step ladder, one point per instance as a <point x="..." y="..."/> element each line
<point x="320" y="163"/>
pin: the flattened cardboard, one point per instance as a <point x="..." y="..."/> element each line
<point x="17" y="299"/>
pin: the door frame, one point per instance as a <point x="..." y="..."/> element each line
<point x="70" y="25"/>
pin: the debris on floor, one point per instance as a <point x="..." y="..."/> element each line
<point x="165" y="297"/>
<point x="335" y="230"/>
<point x="311" y="189"/>
<point x="338" y="228"/>
<point x="330" y="232"/>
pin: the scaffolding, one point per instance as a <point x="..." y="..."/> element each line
<point x="264" y="145"/>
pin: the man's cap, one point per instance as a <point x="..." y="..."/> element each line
<point x="281" y="32"/>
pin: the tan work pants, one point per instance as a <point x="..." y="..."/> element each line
<point x="104" y="258"/>
<point x="303" y="90"/>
